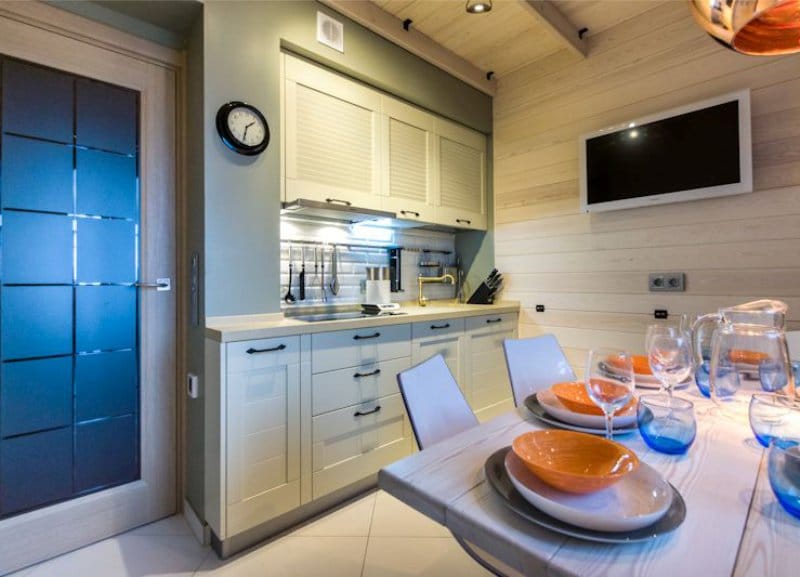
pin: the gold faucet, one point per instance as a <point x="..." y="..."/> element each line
<point x="421" y="300"/>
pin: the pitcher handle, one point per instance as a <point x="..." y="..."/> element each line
<point x="696" y="334"/>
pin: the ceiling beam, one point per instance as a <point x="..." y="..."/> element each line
<point x="548" y="15"/>
<point x="390" y="27"/>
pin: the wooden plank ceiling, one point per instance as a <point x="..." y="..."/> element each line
<point x="510" y="36"/>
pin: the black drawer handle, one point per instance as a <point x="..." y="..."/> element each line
<point x="437" y="327"/>
<point x="335" y="200"/>
<point x="272" y="350"/>
<point x="415" y="213"/>
<point x="372" y="374"/>
<point x="463" y="220"/>
<point x="489" y="321"/>
<point x="360" y="337"/>
<point x="365" y="413"/>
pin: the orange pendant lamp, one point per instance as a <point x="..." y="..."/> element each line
<point x="760" y="27"/>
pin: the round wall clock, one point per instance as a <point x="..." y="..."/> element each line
<point x="243" y="128"/>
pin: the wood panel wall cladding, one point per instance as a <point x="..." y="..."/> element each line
<point x="590" y="270"/>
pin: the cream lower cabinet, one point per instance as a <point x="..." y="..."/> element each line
<point x="262" y="431"/>
<point x="446" y="338"/>
<point x="485" y="365"/>
<point x="359" y="424"/>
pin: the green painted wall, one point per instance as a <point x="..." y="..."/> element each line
<point x="242" y="62"/>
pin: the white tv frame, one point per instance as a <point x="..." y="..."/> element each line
<point x="744" y="185"/>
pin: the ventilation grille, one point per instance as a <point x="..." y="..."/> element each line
<point x="408" y="150"/>
<point x="461" y="176"/>
<point x="334" y="141"/>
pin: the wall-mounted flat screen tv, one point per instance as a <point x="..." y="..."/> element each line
<point x="697" y="151"/>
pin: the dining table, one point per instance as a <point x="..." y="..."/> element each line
<point x="733" y="526"/>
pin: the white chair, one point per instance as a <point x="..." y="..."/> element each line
<point x="435" y="404"/>
<point x="534" y="364"/>
<point x="437" y="410"/>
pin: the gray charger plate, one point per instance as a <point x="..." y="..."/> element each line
<point x="533" y="405"/>
<point x="498" y="479"/>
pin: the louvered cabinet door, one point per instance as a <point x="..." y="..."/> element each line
<point x="332" y="137"/>
<point x="461" y="176"/>
<point x="408" y="176"/>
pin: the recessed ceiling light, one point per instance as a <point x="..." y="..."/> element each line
<point x="478" y="6"/>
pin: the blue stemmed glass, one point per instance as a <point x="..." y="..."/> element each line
<point x="783" y="466"/>
<point x="667" y="424"/>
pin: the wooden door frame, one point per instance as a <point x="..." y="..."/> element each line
<point x="38" y="32"/>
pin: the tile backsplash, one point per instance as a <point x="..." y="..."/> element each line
<point x="354" y="260"/>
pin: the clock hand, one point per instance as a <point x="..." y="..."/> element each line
<point x="244" y="136"/>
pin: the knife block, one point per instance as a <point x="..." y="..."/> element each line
<point x="482" y="296"/>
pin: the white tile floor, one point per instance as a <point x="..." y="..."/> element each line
<point x="375" y="536"/>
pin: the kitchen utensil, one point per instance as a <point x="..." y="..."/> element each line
<point x="334" y="284"/>
<point x="574" y="462"/>
<point x="752" y="332"/>
<point x="499" y="480"/>
<point x="378" y="290"/>
<point x="315" y="278"/>
<point x="783" y="467"/>
<point x="638" y="500"/>
<point x="546" y="402"/>
<point x="290" y="298"/>
<point x="610" y="390"/>
<point x="301" y="280"/>
<point x="667" y="424"/>
<point x="323" y="295"/>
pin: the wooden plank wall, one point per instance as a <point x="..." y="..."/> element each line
<point x="590" y="271"/>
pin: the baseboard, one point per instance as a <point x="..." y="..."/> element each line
<point x="200" y="530"/>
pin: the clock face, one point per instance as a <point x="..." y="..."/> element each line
<point x="246" y="127"/>
<point x="243" y="128"/>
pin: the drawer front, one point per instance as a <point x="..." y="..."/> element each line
<point x="436" y="328"/>
<point x="352" y="443"/>
<point x="363" y="384"/>
<point x="252" y="355"/>
<point x="358" y="347"/>
<point x="502" y="321"/>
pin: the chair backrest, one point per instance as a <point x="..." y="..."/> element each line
<point x="534" y="364"/>
<point x="793" y="340"/>
<point x="435" y="404"/>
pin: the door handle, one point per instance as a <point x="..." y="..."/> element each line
<point x="161" y="284"/>
<point x="272" y="350"/>
<point x="362" y="337"/>
<point x="365" y="413"/>
<point x="372" y="374"/>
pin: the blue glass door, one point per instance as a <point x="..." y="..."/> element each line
<point x="69" y="261"/>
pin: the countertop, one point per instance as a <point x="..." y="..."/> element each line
<point x="248" y="327"/>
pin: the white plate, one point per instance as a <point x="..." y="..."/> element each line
<point x="637" y="500"/>
<point x="553" y="406"/>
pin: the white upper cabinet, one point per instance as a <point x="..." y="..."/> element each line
<point x="332" y="131"/>
<point x="408" y="159"/>
<point x="461" y="176"/>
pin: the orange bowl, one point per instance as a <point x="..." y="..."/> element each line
<point x="746" y="357"/>
<point x="574" y="462"/>
<point x="640" y="363"/>
<point x="573" y="395"/>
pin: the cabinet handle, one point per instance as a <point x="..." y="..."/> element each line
<point x="273" y="349"/>
<point x="365" y="413"/>
<point x="360" y="337"/>
<point x="463" y="221"/>
<point x="444" y="326"/>
<point x="334" y="200"/>
<point x="372" y="374"/>
<point x="489" y="321"/>
<point x="415" y="213"/>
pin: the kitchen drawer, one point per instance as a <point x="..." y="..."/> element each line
<point x="344" y="387"/>
<point x="502" y="321"/>
<point x="348" y="446"/>
<point x="263" y="353"/>
<point x="357" y="347"/>
<point x="436" y="328"/>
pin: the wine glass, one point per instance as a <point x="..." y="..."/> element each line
<point x="609" y="382"/>
<point x="670" y="360"/>
<point x="656" y="330"/>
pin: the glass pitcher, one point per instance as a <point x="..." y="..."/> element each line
<point x="745" y="340"/>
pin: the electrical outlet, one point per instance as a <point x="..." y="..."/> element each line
<point x="192" y="385"/>
<point x="539" y="308"/>
<point x="661" y="314"/>
<point x="667" y="281"/>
